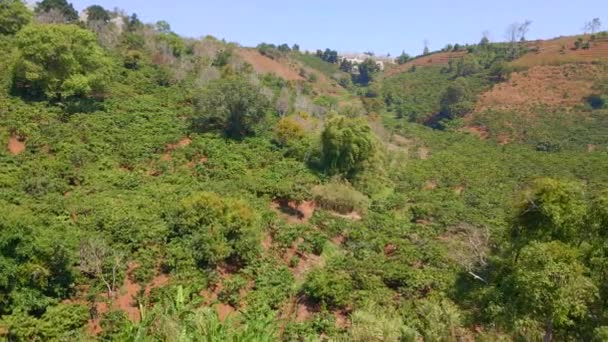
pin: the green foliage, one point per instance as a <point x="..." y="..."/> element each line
<point x="367" y="70"/>
<point x="415" y="96"/>
<point x="13" y="16"/>
<point x="288" y="132"/>
<point x="232" y="105"/>
<point x="457" y="99"/>
<point x="60" y="61"/>
<point x="346" y="143"/>
<point x="62" y="322"/>
<point x="217" y="229"/>
<point x="374" y="323"/>
<point x="313" y="62"/>
<point x="327" y="287"/>
<point x="549" y="285"/>
<point x="340" y="197"/>
<point x="552" y="210"/>
<point x="403" y="58"/>
<point x="97" y="13"/>
<point x="329" y="55"/>
<point x="61" y="6"/>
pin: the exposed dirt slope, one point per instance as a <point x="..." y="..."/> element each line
<point x="262" y="65"/>
<point x="16" y="145"/>
<point x="439" y="58"/>
<point x="550" y="86"/>
<point x="562" y="50"/>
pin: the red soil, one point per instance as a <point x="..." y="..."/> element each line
<point x="16" y="145"/>
<point x="263" y="65"/>
<point x="211" y="294"/>
<point x="307" y="263"/>
<point x="125" y="299"/>
<point x="430" y="185"/>
<point x="338" y="240"/>
<point x="390" y="249"/>
<point x="562" y="50"/>
<point x="267" y="241"/>
<point x="481" y="132"/>
<point x="439" y="58"/>
<point x="550" y="86"/>
<point x="294" y="212"/>
<point x="184" y="142"/>
<point x="224" y="310"/>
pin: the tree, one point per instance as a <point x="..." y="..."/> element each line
<point x="548" y="285"/>
<point x="426" y="50"/>
<point x="61" y="6"/>
<point x="467" y="66"/>
<point x="347" y="144"/>
<point x="403" y="58"/>
<point x="551" y="210"/>
<point x="99" y="260"/>
<point x="162" y="26"/>
<point x="232" y="105"/>
<point x="59" y="61"/>
<point x="346" y="65"/>
<point x="97" y="13"/>
<point x="284" y="48"/>
<point x="593" y="26"/>
<point x="517" y="32"/>
<point x="13" y="16"/>
<point x="330" y="56"/>
<point x="457" y="99"/>
<point x="367" y="69"/>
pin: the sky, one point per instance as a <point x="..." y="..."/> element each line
<point x="381" y="26"/>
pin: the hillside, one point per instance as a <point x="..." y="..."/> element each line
<point x="161" y="188"/>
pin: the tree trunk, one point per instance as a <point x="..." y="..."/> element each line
<point x="548" y="332"/>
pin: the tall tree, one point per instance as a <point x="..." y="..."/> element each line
<point x="549" y="285"/>
<point x="97" y="13"/>
<point x="593" y="26"/>
<point x="367" y="69"/>
<point x="13" y="16"/>
<point x="60" y="61"/>
<point x="347" y="143"/>
<point x="61" y="6"/>
<point x="551" y="210"/>
<point x="233" y="105"/>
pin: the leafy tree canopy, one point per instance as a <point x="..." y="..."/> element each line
<point x="218" y="228"/>
<point x="60" y="61"/>
<point x="232" y="105"/>
<point x="13" y="16"/>
<point x="97" y="13"/>
<point x="552" y="209"/>
<point x="347" y="143"/>
<point x="549" y="285"/>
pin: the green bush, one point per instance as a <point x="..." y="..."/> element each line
<point x="340" y="197"/>
<point x="218" y="229"/>
<point x="328" y="287"/>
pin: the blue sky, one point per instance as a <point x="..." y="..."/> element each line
<point x="382" y="26"/>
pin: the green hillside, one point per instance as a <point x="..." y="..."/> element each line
<point x="158" y="188"/>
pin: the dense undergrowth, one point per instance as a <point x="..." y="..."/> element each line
<point x="193" y="199"/>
